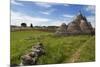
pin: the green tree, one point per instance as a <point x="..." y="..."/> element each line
<point x="31" y="25"/>
<point x="23" y="25"/>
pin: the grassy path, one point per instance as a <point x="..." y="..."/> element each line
<point x="75" y="57"/>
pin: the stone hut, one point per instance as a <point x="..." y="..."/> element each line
<point x="62" y="29"/>
<point x="79" y="25"/>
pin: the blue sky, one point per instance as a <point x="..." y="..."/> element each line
<point x="47" y="14"/>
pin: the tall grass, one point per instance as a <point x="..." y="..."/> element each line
<point x="87" y="52"/>
<point x="58" y="49"/>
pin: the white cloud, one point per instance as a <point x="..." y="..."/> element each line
<point x="68" y="16"/>
<point x="45" y="5"/>
<point x="16" y="3"/>
<point x="91" y="9"/>
<point x="48" y="12"/>
<point x="17" y="18"/>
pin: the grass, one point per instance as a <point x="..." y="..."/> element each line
<point x="58" y="49"/>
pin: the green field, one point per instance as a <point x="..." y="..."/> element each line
<point x="59" y="49"/>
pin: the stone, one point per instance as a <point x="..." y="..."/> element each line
<point x="28" y="60"/>
<point x="38" y="49"/>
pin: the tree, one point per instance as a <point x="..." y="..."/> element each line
<point x="23" y="25"/>
<point x="31" y="25"/>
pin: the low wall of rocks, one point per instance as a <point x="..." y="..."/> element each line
<point x="32" y="57"/>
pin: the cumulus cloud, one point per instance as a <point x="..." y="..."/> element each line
<point x="17" y="18"/>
